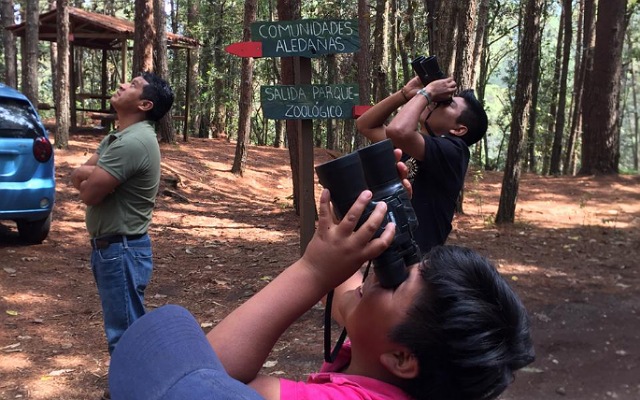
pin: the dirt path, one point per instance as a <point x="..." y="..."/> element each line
<point x="572" y="255"/>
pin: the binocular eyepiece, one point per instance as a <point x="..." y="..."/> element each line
<point x="427" y="69"/>
<point x="374" y="168"/>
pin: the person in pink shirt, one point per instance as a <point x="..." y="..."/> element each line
<point x="453" y="330"/>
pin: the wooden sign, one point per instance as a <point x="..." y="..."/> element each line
<point x="306" y="37"/>
<point x="309" y="101"/>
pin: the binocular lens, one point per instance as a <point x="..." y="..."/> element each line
<point x="345" y="180"/>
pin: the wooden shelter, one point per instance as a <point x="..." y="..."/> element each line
<point x="100" y="32"/>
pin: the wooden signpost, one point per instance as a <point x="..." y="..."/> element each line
<point x="304" y="102"/>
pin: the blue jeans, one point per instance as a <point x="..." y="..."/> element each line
<point x="122" y="272"/>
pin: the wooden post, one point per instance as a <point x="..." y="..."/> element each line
<point x="302" y="71"/>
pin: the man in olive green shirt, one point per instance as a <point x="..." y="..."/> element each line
<point x="119" y="184"/>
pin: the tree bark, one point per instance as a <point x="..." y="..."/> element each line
<point x="220" y="110"/>
<point x="63" y="103"/>
<point x="553" y="106"/>
<point x="533" y="113"/>
<point x="380" y="50"/>
<point x="635" y="115"/>
<point x="556" y="152"/>
<point x="530" y="20"/>
<point x="465" y="63"/>
<point x="30" y="53"/>
<point x="9" y="44"/>
<point x="290" y="10"/>
<point x="53" y="57"/>
<point x="480" y="40"/>
<point x="601" y="106"/>
<point x="143" y="38"/>
<point x="442" y="28"/>
<point x="584" y="41"/>
<point x="363" y="57"/>
<point x="165" y="130"/>
<point x="246" y="94"/>
<point x="193" y="10"/>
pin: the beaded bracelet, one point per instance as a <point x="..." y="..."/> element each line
<point x="404" y="94"/>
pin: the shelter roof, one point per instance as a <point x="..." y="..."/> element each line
<point x="94" y="30"/>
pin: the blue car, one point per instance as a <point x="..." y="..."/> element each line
<point x="27" y="180"/>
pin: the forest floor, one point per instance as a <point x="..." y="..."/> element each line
<point x="218" y="238"/>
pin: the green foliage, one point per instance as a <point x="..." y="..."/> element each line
<point x="218" y="23"/>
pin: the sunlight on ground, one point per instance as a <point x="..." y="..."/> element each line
<point x="560" y="214"/>
<point x="14" y="362"/>
<point x="47" y="387"/>
<point x="28" y="298"/>
<point x="205" y="226"/>
<point x="49" y="380"/>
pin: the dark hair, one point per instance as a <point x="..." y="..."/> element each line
<point x="159" y="92"/>
<point x="468" y="329"/>
<point x="473" y="117"/>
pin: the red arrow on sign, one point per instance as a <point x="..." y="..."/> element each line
<point x="357" y="111"/>
<point x="245" y="49"/>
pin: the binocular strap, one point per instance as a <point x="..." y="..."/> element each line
<point x="330" y="355"/>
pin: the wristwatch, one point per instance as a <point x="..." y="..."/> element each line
<point x="426" y="95"/>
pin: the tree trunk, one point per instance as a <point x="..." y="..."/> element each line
<point x="290" y="10"/>
<point x="601" y="107"/>
<point x="9" y="43"/>
<point x="53" y="58"/>
<point x="394" y="29"/>
<point x="562" y="94"/>
<point x="207" y="97"/>
<point x="584" y="42"/>
<point x="220" y="109"/>
<point x="442" y="28"/>
<point x="30" y="53"/>
<point x="635" y="115"/>
<point x="380" y="50"/>
<point x="193" y="10"/>
<point x="143" y="38"/>
<point x="480" y="40"/>
<point x="407" y="46"/>
<point x="533" y="113"/>
<point x="363" y="57"/>
<point x="279" y="125"/>
<point x="165" y="130"/>
<point x="465" y="63"/>
<point x="246" y="94"/>
<point x="553" y="107"/>
<point x="63" y="104"/>
<point x="530" y="19"/>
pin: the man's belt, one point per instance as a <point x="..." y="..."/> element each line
<point x="105" y="241"/>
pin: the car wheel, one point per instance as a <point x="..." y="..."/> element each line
<point x="34" y="231"/>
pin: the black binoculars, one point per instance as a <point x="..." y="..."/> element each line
<point x="427" y="69"/>
<point x="374" y="168"/>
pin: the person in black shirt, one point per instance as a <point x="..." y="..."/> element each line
<point x="434" y="129"/>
